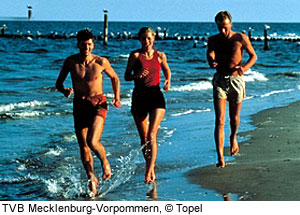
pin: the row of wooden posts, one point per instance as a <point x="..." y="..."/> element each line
<point x="106" y="36"/>
<point x="105" y="30"/>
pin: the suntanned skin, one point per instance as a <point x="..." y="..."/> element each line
<point x="148" y="125"/>
<point x="86" y="74"/>
<point x="225" y="52"/>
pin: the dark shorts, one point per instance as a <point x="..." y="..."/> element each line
<point x="147" y="99"/>
<point x="85" y="110"/>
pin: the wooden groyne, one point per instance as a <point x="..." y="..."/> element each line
<point x="128" y="36"/>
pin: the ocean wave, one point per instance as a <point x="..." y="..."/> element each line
<point x="276" y="92"/>
<point x="254" y="76"/>
<point x="193" y="79"/>
<point x="123" y="56"/>
<point x="248" y="97"/>
<point x="125" y="99"/>
<point x="289" y="74"/>
<point x="274" y="65"/>
<point x="36" y="51"/>
<point x="55" y="151"/>
<point x="202" y="85"/>
<point x="13" y="106"/>
<point x="18" y="180"/>
<point x="196" y="60"/>
<point x="29" y="114"/>
<point x="190" y="111"/>
<point x="26" y="114"/>
<point x="22" y="167"/>
<point x="126" y="102"/>
<point x="8" y="92"/>
<point x="167" y="131"/>
<point x="69" y="138"/>
<point x="202" y="68"/>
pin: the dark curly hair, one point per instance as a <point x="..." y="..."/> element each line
<point x="85" y="34"/>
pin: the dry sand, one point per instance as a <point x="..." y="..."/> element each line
<point x="268" y="167"/>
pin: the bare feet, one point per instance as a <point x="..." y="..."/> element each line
<point x="106" y="171"/>
<point x="150" y="177"/>
<point x="153" y="192"/>
<point x="93" y="186"/>
<point x="234" y="147"/>
<point x="221" y="164"/>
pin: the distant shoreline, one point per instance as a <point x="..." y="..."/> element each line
<point x="25" y="19"/>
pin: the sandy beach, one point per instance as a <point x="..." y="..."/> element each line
<point x="268" y="166"/>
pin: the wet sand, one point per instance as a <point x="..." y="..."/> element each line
<point x="268" y="166"/>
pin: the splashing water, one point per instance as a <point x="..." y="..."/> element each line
<point x="123" y="173"/>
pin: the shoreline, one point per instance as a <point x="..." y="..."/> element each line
<point x="267" y="168"/>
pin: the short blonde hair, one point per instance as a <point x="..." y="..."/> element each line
<point x="222" y="16"/>
<point x="145" y="30"/>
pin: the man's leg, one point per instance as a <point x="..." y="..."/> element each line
<point x="234" y="111"/>
<point x="220" y="112"/>
<point x="87" y="158"/>
<point x="155" y="118"/>
<point x="94" y="135"/>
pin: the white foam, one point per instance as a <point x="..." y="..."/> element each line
<point x="189" y="112"/>
<point x="22" y="167"/>
<point x="70" y="138"/>
<point x="13" y="106"/>
<point x="55" y="151"/>
<point x="26" y="114"/>
<point x="123" y="171"/>
<point x="123" y="56"/>
<point x="126" y="102"/>
<point x="202" y="85"/>
<point x="276" y="92"/>
<point x="254" y="76"/>
<point x="248" y="97"/>
<point x="11" y="179"/>
<point x="52" y="186"/>
<point x="170" y="133"/>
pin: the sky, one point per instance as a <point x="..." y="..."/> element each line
<point x="152" y="10"/>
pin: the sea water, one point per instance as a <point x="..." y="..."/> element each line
<point x="40" y="157"/>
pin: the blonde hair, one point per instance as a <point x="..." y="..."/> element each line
<point x="145" y="30"/>
<point x="222" y="16"/>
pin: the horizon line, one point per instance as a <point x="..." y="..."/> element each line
<point x="19" y="19"/>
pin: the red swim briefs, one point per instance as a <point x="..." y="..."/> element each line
<point x="86" y="108"/>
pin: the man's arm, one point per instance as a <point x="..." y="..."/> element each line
<point x="114" y="80"/>
<point x="252" y="55"/>
<point x="67" y="91"/>
<point x="166" y="70"/>
<point x="210" y="54"/>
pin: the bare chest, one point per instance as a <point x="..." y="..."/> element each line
<point x="89" y="72"/>
<point x="229" y="48"/>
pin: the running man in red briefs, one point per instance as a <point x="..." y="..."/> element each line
<point x="224" y="53"/>
<point x="89" y="104"/>
<point x="148" y="103"/>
